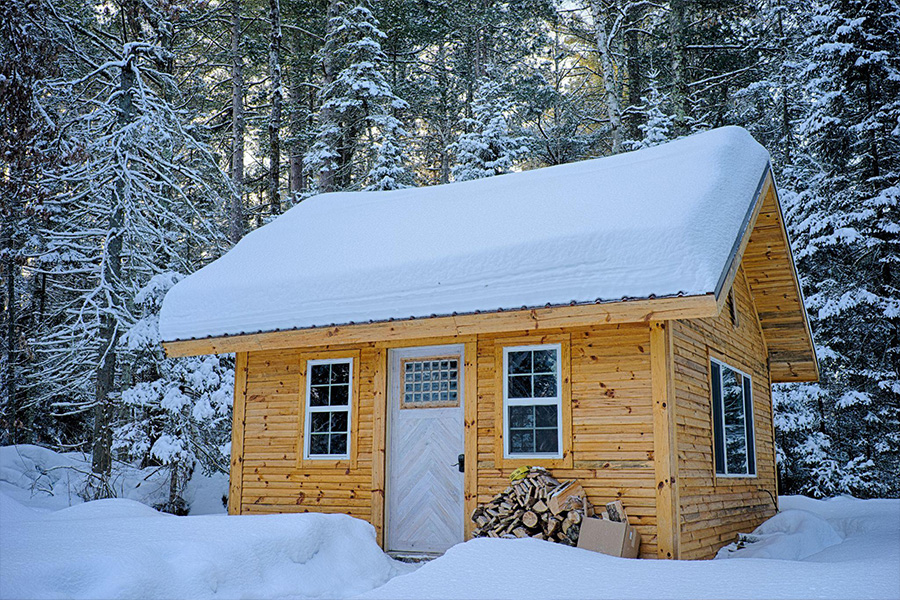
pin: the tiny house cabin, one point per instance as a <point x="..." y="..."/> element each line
<point x="619" y="321"/>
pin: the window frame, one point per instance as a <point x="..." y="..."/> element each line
<point x="749" y="421"/>
<point x="336" y="459"/>
<point x="554" y="401"/>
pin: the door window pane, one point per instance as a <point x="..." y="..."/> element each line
<point x="430" y="383"/>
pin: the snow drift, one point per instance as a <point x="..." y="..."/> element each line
<point x="123" y="549"/>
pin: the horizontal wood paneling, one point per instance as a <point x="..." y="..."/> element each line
<point x="273" y="480"/>
<point x="612" y="416"/>
<point x="714" y="509"/>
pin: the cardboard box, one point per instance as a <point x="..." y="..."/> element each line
<point x="609" y="537"/>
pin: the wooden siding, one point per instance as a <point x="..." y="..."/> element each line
<point x="272" y="480"/>
<point x="612" y="416"/>
<point x="714" y="509"/>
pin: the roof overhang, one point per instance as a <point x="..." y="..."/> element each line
<point x="764" y="250"/>
<point x="460" y="325"/>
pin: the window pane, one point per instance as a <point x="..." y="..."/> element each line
<point x="339" y="395"/>
<point x="521" y="441"/>
<point x="340" y="373"/>
<point x="319" y="374"/>
<point x="545" y="361"/>
<point x="735" y="427"/>
<point x="519" y="386"/>
<point x="546" y="440"/>
<point x="545" y="386"/>
<point x="318" y="396"/>
<point x="318" y="421"/>
<point x="545" y="416"/>
<point x="318" y="444"/>
<point x="339" y="421"/>
<point x="339" y="443"/>
<point x="519" y="362"/>
<point x="521" y="417"/>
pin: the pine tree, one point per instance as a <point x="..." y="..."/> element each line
<point x="356" y="100"/>
<point x="178" y="411"/>
<point x="388" y="170"/>
<point x="488" y="148"/>
<point x="845" y="221"/>
<point x="139" y="196"/>
<point x="658" y="126"/>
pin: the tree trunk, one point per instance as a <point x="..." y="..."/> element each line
<point x="236" y="207"/>
<point x="275" y="115"/>
<point x="101" y="459"/>
<point x="679" y="78"/>
<point x="634" y="70"/>
<point x="326" y="173"/>
<point x="613" y="109"/>
<point x="11" y="353"/>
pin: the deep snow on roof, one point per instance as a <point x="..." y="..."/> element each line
<point x="660" y="221"/>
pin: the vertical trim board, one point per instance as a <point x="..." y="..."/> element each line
<point x="664" y="447"/>
<point x="236" y="475"/>
<point x="470" y="397"/>
<point x="379" y="440"/>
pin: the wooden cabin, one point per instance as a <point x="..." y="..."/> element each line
<point x="619" y="321"/>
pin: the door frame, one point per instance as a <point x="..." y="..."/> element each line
<point x="380" y="441"/>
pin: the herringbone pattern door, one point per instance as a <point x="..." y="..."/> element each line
<point x="425" y="490"/>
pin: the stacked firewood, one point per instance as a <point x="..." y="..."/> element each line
<point x="537" y="506"/>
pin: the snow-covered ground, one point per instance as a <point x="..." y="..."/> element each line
<point x="840" y="548"/>
<point x="46" y="480"/>
<point x="120" y="548"/>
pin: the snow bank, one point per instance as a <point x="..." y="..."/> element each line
<point x="789" y="535"/>
<point x="46" y="480"/>
<point x="661" y="221"/>
<point x="863" y="563"/>
<point x="124" y="549"/>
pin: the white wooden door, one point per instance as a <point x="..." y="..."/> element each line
<point x="426" y="430"/>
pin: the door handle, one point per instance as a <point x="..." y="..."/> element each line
<point x="461" y="463"/>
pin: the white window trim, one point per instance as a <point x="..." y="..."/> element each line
<point x="557" y="401"/>
<point x="749" y="444"/>
<point x="311" y="409"/>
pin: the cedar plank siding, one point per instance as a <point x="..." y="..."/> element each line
<point x="714" y="509"/>
<point x="272" y="479"/>
<point x="612" y="420"/>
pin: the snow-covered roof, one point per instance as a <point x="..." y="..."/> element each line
<point x="662" y="221"/>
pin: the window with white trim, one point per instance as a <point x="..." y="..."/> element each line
<point x="732" y="398"/>
<point x="329" y="388"/>
<point x="532" y="401"/>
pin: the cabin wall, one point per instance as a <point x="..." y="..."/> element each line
<point x="272" y="480"/>
<point x="714" y="509"/>
<point x="612" y="445"/>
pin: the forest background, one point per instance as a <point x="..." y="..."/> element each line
<point x="143" y="138"/>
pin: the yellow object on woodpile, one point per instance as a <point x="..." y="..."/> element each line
<point x="518" y="474"/>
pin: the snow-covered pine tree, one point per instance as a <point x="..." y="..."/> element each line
<point x="845" y="222"/>
<point x="487" y="148"/>
<point x="177" y="411"/>
<point x="141" y="195"/>
<point x="358" y="99"/>
<point x="388" y="171"/>
<point x="658" y="126"/>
